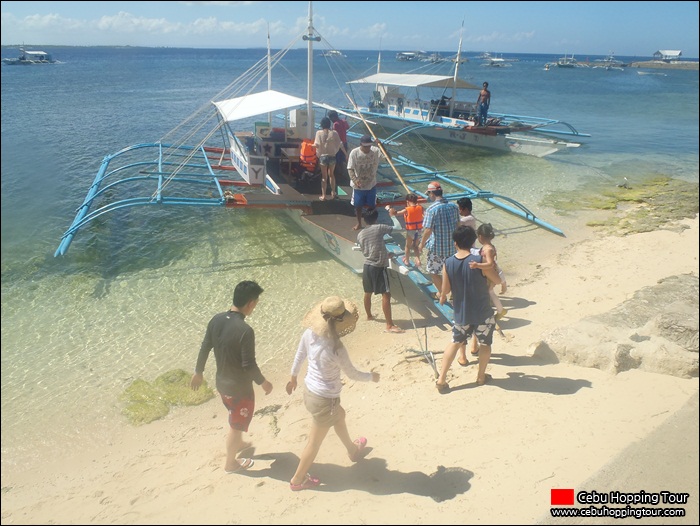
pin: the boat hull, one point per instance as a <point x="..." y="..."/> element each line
<point x="517" y="142"/>
<point x="341" y="247"/>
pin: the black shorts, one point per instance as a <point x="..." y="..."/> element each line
<point x="375" y="279"/>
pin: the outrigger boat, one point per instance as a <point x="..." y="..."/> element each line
<point x="399" y="103"/>
<point x="261" y="168"/>
<point x="29" y="58"/>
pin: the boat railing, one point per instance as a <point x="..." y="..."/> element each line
<point x="540" y="123"/>
<point x="173" y="166"/>
<point x="467" y="188"/>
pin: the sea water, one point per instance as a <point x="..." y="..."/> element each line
<point x="133" y="295"/>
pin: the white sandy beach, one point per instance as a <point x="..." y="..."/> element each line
<point x="486" y="454"/>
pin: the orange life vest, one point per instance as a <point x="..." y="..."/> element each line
<point x="414" y="217"/>
<point x="307" y="155"/>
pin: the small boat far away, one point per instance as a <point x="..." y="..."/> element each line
<point x="609" y="63"/>
<point x="566" y="62"/>
<point x="334" y="53"/>
<point x="29" y="58"/>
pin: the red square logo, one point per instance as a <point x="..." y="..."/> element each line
<point x="562" y="497"/>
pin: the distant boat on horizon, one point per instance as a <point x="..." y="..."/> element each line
<point x="333" y="53"/>
<point x="28" y="58"/>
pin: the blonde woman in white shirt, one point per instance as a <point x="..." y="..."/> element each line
<point x="327" y="356"/>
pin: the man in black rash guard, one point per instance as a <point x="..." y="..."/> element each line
<point x="233" y="341"/>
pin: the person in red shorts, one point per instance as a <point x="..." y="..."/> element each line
<point x="233" y="341"/>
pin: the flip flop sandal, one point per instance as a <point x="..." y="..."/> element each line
<point x="243" y="464"/>
<point x="309" y="482"/>
<point x="361" y="444"/>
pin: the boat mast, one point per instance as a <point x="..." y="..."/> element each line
<point x="310" y="38"/>
<point x="269" y="69"/>
<point x="379" y="66"/>
<point x="454" y="79"/>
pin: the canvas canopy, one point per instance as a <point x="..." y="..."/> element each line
<point x="256" y="104"/>
<point x="668" y="54"/>
<point x="411" y="80"/>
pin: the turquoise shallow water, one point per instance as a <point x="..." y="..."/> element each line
<point x="133" y="296"/>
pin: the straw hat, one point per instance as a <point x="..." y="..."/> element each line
<point x="333" y="310"/>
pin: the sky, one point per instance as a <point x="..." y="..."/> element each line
<point x="635" y="28"/>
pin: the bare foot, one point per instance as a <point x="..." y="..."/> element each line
<point x="416" y="262"/>
<point x="370" y="317"/>
<point x="357" y="227"/>
<point x="322" y="198"/>
<point x="405" y="260"/>
<point x="481" y="381"/>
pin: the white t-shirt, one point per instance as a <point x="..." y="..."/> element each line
<point x="323" y="372"/>
<point x="327" y="142"/>
<point x="469" y="220"/>
<point x="365" y="166"/>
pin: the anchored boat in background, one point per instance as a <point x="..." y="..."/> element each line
<point x="29" y="58"/>
<point x="435" y="107"/>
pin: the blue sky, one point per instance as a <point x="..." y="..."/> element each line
<point x="583" y="28"/>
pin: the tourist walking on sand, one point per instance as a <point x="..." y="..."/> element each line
<point x="327" y="144"/>
<point x="439" y="222"/>
<point x="488" y="252"/>
<point x="320" y="344"/>
<point x="233" y="341"/>
<point x="470" y="300"/>
<point x="375" y="273"/>
<point x="363" y="163"/>
<point x="467" y="218"/>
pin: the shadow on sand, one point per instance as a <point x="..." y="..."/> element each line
<point x="370" y="475"/>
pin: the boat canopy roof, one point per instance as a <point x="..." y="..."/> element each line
<point x="412" y="80"/>
<point x="256" y="104"/>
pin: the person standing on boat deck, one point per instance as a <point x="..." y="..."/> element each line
<point x="320" y="344"/>
<point x="473" y="314"/>
<point x="483" y="102"/>
<point x="327" y="144"/>
<point x="341" y="127"/>
<point x="440" y="220"/>
<point x="363" y="163"/>
<point x="233" y="341"/>
<point x="375" y="274"/>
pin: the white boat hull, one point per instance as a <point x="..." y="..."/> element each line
<point x="528" y="144"/>
<point x="337" y="246"/>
